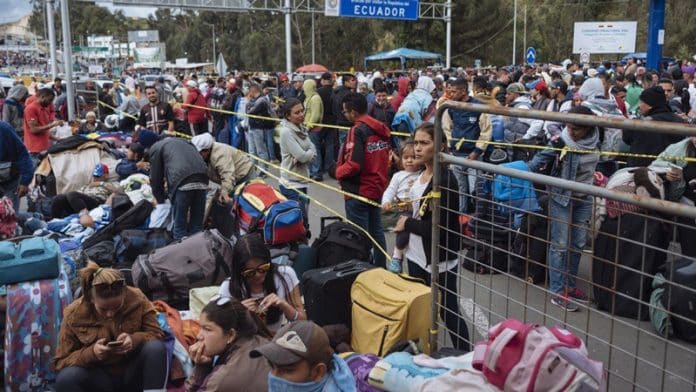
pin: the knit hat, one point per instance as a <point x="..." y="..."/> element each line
<point x="654" y="96"/>
<point x="203" y="141"/>
<point x="147" y="138"/>
<point x="100" y="170"/>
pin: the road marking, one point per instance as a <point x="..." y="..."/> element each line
<point x="476" y="315"/>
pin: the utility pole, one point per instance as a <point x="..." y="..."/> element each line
<point x="51" y="38"/>
<point x="448" y="39"/>
<point x="656" y="33"/>
<point x="288" y="36"/>
<point x="67" y="58"/>
<point x="314" y="61"/>
<point x="524" y="39"/>
<point x="514" y="32"/>
<point x="214" y="51"/>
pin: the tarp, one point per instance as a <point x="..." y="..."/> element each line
<point x="403" y="55"/>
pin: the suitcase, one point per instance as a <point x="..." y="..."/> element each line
<point x="305" y="260"/>
<point x="340" y="242"/>
<point x="680" y="298"/>
<point x="327" y="292"/>
<point x="33" y="318"/>
<point x="28" y="259"/>
<point x="529" y="250"/>
<point x="388" y="308"/>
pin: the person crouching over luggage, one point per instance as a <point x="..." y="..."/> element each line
<point x="109" y="338"/>
<point x="227" y="166"/>
<point x="271" y="291"/>
<point x="302" y="359"/>
<point x="229" y="332"/>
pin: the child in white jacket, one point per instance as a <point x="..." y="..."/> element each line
<point x="396" y="198"/>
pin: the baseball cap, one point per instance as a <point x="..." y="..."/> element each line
<point x="516" y="88"/>
<point x="283" y="77"/>
<point x="592" y="72"/>
<point x="294" y="342"/>
<point x="559" y="84"/>
<point x="192" y="83"/>
<point x="100" y="170"/>
<point x="297" y="78"/>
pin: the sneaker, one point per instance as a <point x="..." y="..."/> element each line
<point x="564" y="303"/>
<point x="578" y="295"/>
<point x="394" y="265"/>
<point x="318" y="178"/>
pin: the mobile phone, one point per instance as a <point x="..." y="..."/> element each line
<point x="115" y="343"/>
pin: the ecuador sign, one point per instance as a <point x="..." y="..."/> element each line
<point x="378" y="9"/>
<point x="604" y="37"/>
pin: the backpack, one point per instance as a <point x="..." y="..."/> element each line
<point x="261" y="207"/>
<point x="203" y="259"/>
<point x="135" y="217"/>
<point x="529" y="357"/>
<point x="340" y="242"/>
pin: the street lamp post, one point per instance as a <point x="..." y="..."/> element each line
<point x="214" y="51"/>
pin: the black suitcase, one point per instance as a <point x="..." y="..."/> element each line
<point x="530" y="248"/>
<point x="340" y="242"/>
<point x="327" y="292"/>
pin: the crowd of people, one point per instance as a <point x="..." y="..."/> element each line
<point x="375" y="135"/>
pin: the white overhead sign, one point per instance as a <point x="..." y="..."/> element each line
<point x="605" y="37"/>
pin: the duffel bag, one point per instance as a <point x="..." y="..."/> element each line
<point x="167" y="274"/>
<point x="133" y="243"/>
<point x="251" y="200"/>
<point x="30" y="259"/>
<point x="134" y="218"/>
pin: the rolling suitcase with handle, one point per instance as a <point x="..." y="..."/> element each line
<point x="327" y="291"/>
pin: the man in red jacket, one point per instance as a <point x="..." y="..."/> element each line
<point x="196" y="117"/>
<point x="363" y="167"/>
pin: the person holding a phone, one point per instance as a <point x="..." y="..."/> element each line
<point x="109" y="338"/>
<point x="269" y="290"/>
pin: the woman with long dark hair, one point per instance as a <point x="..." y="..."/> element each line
<point x="269" y="290"/>
<point x="229" y="332"/>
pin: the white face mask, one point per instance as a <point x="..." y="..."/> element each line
<point x="277" y="384"/>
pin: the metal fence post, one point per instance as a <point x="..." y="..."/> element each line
<point x="434" y="248"/>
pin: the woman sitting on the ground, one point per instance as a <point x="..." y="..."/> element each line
<point x="269" y="290"/>
<point x="109" y="338"/>
<point x="230" y="332"/>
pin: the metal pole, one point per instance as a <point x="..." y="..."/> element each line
<point x="514" y="32"/>
<point x="288" y="37"/>
<point x="67" y="58"/>
<point x="448" y="41"/>
<point x="51" y="38"/>
<point x="524" y="36"/>
<point x="314" y="61"/>
<point x="214" y="52"/>
<point x="579" y="119"/>
<point x="656" y="33"/>
<point x="435" y="234"/>
<point x="650" y="203"/>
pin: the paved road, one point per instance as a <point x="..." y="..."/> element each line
<point x="617" y="342"/>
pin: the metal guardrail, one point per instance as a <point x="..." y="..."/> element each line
<point x="635" y="355"/>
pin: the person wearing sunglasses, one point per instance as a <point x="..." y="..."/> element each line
<point x="109" y="338"/>
<point x="269" y="290"/>
<point x="229" y="331"/>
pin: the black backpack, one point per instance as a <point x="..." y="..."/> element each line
<point x="340" y="242"/>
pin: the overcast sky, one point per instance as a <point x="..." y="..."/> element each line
<point x="15" y="9"/>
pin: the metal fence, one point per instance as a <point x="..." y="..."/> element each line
<point x="623" y="241"/>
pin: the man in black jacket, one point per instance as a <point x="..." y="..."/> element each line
<point x="652" y="106"/>
<point x="349" y="85"/>
<point x="327" y="138"/>
<point x="177" y="162"/>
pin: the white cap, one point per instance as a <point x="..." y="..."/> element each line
<point x="592" y="72"/>
<point x="192" y="83"/>
<point x="203" y="141"/>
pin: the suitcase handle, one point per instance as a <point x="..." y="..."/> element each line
<point x="325" y="219"/>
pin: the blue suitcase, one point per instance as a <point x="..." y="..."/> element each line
<point x="25" y="260"/>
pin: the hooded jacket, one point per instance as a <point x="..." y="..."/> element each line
<point x="314" y="106"/>
<point x="13" y="109"/>
<point x="196" y="115"/>
<point x="651" y="143"/>
<point x="297" y="151"/>
<point x="363" y="165"/>
<point x="401" y="94"/>
<point x="609" y="138"/>
<point x="413" y="109"/>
